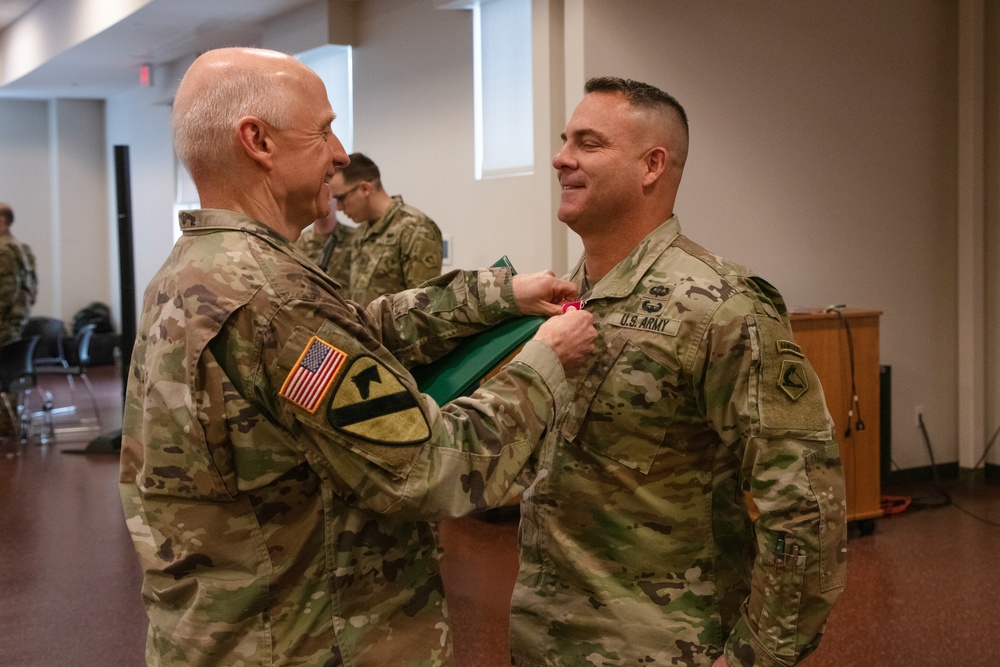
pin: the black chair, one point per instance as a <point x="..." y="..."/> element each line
<point x="80" y="362"/>
<point x="17" y="376"/>
<point x="75" y="360"/>
<point x="50" y="332"/>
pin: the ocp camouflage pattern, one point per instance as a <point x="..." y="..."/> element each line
<point x="697" y="412"/>
<point x="18" y="287"/>
<point x="267" y="535"/>
<point x="400" y="250"/>
<point x="313" y="244"/>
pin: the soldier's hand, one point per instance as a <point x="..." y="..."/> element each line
<point x="571" y="336"/>
<point x="542" y="293"/>
<point x="721" y="662"/>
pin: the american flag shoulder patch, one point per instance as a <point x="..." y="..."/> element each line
<point x="314" y="372"/>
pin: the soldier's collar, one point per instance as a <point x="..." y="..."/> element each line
<point x="623" y="278"/>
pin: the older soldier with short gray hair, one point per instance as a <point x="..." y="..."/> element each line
<point x="689" y="504"/>
<point x="269" y="430"/>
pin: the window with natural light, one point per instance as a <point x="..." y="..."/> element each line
<point x="333" y="64"/>
<point x="505" y="136"/>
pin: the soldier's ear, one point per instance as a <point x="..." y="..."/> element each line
<point x="656" y="160"/>
<point x="254" y="137"/>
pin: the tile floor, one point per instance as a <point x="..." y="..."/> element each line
<point x="923" y="590"/>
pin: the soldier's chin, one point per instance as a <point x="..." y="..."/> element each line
<point x="567" y="215"/>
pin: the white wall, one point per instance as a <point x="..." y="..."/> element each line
<point x="133" y="120"/>
<point x="413" y="92"/>
<point x="52" y="174"/>
<point x="26" y="186"/>
<point x="823" y="154"/>
<point x="84" y="273"/>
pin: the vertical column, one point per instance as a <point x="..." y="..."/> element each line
<point x="575" y="77"/>
<point x="971" y="263"/>
<point x="548" y="75"/>
<point x="991" y="141"/>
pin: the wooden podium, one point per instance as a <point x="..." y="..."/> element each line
<point x="827" y="339"/>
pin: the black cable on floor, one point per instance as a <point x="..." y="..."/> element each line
<point x="989" y="446"/>
<point x="943" y="498"/>
<point x="974" y="516"/>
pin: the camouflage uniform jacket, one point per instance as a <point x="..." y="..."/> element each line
<point x="636" y="546"/>
<point x="398" y="251"/>
<point x="313" y="244"/>
<point x="274" y="451"/>
<point x="18" y="287"/>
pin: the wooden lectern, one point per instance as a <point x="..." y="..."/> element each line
<point x="827" y="338"/>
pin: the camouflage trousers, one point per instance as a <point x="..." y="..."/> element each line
<point x="8" y="431"/>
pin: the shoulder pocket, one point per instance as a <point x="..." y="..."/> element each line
<point x="787" y="390"/>
<point x="350" y="398"/>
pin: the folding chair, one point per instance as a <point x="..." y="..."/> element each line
<point x="17" y="376"/>
<point x="74" y="363"/>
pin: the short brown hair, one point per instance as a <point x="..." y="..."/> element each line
<point x="644" y="96"/>
<point x="362" y="168"/>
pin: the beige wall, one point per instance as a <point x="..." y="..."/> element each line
<point x="823" y="154"/>
<point x="992" y="225"/>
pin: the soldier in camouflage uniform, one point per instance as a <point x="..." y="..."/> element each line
<point x="688" y="507"/>
<point x="396" y="246"/>
<point x="275" y="447"/>
<point x="18" y="284"/>
<point x="328" y="243"/>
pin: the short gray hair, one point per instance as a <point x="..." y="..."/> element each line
<point x="203" y="129"/>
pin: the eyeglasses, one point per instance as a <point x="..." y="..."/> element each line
<point x="341" y="197"/>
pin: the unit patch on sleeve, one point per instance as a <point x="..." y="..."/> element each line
<point x="373" y="404"/>
<point x="788" y="347"/>
<point x="793" y="380"/>
<point x="314" y="372"/>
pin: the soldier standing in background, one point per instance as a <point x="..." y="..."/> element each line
<point x="274" y="450"/>
<point x="18" y="283"/>
<point x="689" y="503"/>
<point x="396" y="246"/>
<point x="328" y="243"/>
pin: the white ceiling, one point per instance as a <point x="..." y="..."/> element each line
<point x="159" y="32"/>
<point x="10" y="10"/>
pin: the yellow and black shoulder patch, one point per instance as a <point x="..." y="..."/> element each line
<point x="372" y="403"/>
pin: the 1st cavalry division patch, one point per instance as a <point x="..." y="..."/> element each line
<point x="312" y="374"/>
<point x="373" y="404"/>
